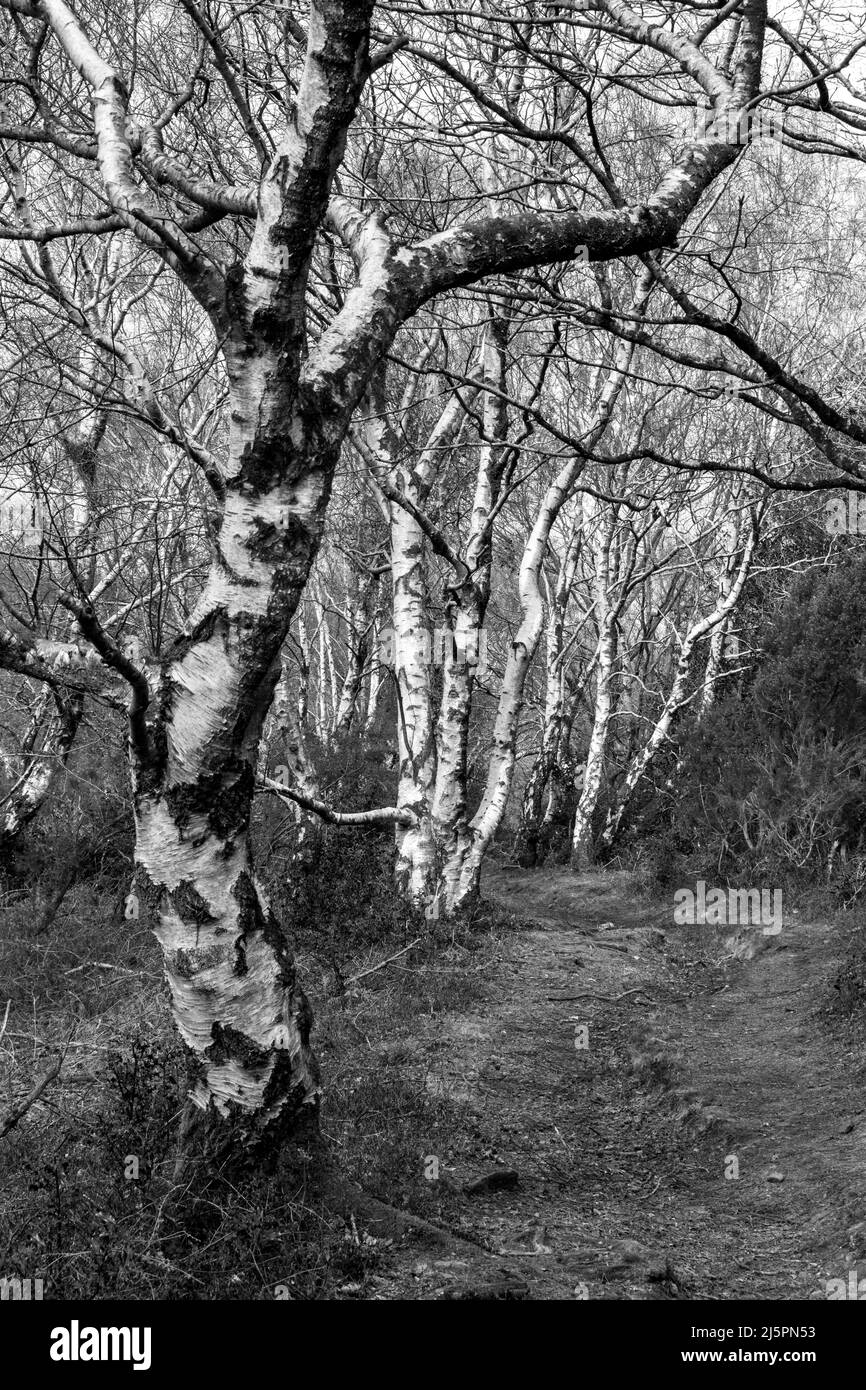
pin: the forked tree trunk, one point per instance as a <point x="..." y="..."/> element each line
<point x="194" y="745"/>
<point x="411" y="640"/>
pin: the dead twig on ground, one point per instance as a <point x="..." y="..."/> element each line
<point x="382" y="963"/>
<point x="17" y="1112"/>
<point x="603" y="998"/>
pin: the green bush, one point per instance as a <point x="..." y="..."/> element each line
<point x="770" y="785"/>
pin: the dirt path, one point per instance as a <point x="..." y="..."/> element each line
<point x="697" y="1061"/>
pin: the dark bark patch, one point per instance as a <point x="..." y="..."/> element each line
<point x="190" y="905"/>
<point x="201" y="632"/>
<point x="222" y="797"/>
<point x="190" y="963"/>
<point x="281" y="1087"/>
<point x="275" y="543"/>
<point x="231" y="800"/>
<point x="252" y="918"/>
<point x="231" y="1045"/>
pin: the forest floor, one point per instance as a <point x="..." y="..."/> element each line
<point x="570" y="1098"/>
<point x="608" y="1156"/>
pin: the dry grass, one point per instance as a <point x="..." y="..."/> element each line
<point x="69" y="1210"/>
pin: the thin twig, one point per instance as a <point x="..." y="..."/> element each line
<point x="95" y="1047"/>
<point x="604" y="998"/>
<point x="17" y="1112"/>
<point x="373" y="968"/>
<point x="106" y="965"/>
<point x="646" y="1196"/>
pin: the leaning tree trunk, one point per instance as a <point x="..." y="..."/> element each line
<point x="712" y="671"/>
<point x="29" y="793"/>
<point x="478" y="835"/>
<point x="679" y="697"/>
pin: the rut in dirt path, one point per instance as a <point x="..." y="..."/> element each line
<point x="625" y="1070"/>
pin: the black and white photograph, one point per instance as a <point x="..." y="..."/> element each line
<point x="432" y="668"/>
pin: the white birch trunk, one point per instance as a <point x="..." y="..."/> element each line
<point x="600" y="523"/>
<point x="535" y="815"/>
<point x="359" y="625"/>
<point x="236" y="1000"/>
<point x="465" y="644"/>
<point x="479" y="834"/>
<point x="30" y="790"/>
<point x="416" y="751"/>
<point x="678" y="697"/>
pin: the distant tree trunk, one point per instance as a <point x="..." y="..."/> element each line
<point x="304" y="672"/>
<point x="479" y="833"/>
<point x="465" y="639"/>
<point x="301" y="774"/>
<point x="543" y="779"/>
<point x="327" y="680"/>
<point x="411" y="640"/>
<point x="359" y="624"/>
<point x="678" y="697"/>
<point x="412" y="649"/>
<point x="29" y="793"/>
<point x="476" y="840"/>
<point x="378" y="693"/>
<point x="582" y="848"/>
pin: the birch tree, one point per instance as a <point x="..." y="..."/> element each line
<point x="233" y="169"/>
<point x="729" y="591"/>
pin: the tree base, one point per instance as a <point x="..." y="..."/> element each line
<point x="238" y="1144"/>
